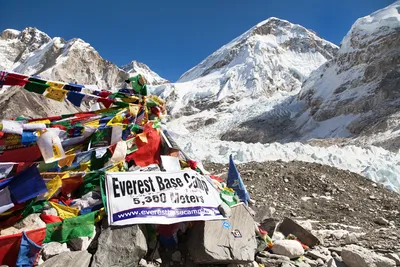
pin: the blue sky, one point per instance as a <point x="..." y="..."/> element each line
<point x="173" y="36"/>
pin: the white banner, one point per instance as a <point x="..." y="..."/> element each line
<point x="160" y="198"/>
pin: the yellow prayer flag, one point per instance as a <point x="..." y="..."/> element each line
<point x="64" y="212"/>
<point x="55" y="94"/>
<point x="56" y="85"/>
<point x="67" y="161"/>
<point x="133" y="109"/>
<point x="94" y="123"/>
<point x="52" y="186"/>
<point x="42" y="121"/>
<point x="142" y="137"/>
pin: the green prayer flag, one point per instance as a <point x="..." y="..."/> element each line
<point x="34" y="207"/>
<point x="35" y="87"/>
<point x="98" y="163"/>
<point x="70" y="228"/>
<point x="90" y="182"/>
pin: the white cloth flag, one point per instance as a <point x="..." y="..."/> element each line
<point x="5" y="200"/>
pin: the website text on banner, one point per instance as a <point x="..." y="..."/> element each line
<point x="160" y="197"/>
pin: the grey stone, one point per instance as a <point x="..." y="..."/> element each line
<point x="269" y="225"/>
<point x="225" y="210"/>
<point x="79" y="243"/>
<point x="251" y="264"/>
<point x="176" y="256"/>
<point x="310" y="262"/>
<point x="31" y="222"/>
<point x="317" y="255"/>
<point x="301" y="264"/>
<point x="52" y="249"/>
<point x="288" y="226"/>
<point x="50" y="211"/>
<point x="351" y="238"/>
<point x="211" y="242"/>
<point x="120" y="246"/>
<point x="381" y="221"/>
<point x="338" y="250"/>
<point x="394" y="257"/>
<point x="271" y="262"/>
<point x="72" y="258"/>
<point x="289" y="248"/>
<point x="305" y="224"/>
<point x="356" y="256"/>
<point x="331" y="263"/>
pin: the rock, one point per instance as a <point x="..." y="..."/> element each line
<point x="288" y="226"/>
<point x="320" y="262"/>
<point x="356" y="256"/>
<point x="265" y="213"/>
<point x="372" y="197"/>
<point x="310" y="262"/>
<point x="351" y="238"/>
<point x="287" y="264"/>
<point x="176" y="256"/>
<point x="88" y="200"/>
<point x="394" y="257"/>
<point x="317" y="255"/>
<point x="50" y="211"/>
<point x="52" y="249"/>
<point x="10" y="231"/>
<point x="252" y="264"/>
<point x="230" y="241"/>
<point x="31" y="222"/>
<point x="120" y="246"/>
<point x="381" y="221"/>
<point x="142" y="263"/>
<point x="71" y="258"/>
<point x="289" y="248"/>
<point x="305" y="224"/>
<point x="301" y="264"/>
<point x="225" y="210"/>
<point x="337" y="250"/>
<point x="271" y="256"/>
<point x="80" y="243"/>
<point x="331" y="263"/>
<point x="269" y="225"/>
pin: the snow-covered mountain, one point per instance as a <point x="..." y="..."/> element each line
<point x="152" y="78"/>
<point x="241" y="79"/>
<point x="33" y="52"/>
<point x="358" y="92"/>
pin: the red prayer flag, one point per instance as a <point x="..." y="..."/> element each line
<point x="10" y="245"/>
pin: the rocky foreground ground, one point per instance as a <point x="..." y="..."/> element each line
<point x="344" y="219"/>
<point x="326" y="199"/>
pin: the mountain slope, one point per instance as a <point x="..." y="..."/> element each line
<point x="245" y="77"/>
<point x="360" y="88"/>
<point x="33" y="52"/>
<point x="353" y="98"/>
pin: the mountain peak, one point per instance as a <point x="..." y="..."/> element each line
<point x="135" y="67"/>
<point x="270" y="38"/>
<point x="10" y="34"/>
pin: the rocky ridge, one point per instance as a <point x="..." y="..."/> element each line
<point x="33" y="52"/>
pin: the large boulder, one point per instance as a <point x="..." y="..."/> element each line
<point x="53" y="248"/>
<point x="72" y="258"/>
<point x="288" y="248"/>
<point x="120" y="246"/>
<point x="230" y="241"/>
<point x="356" y="256"/>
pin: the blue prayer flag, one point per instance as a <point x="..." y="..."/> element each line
<point x="27" y="184"/>
<point x="236" y="183"/>
<point x="28" y="252"/>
